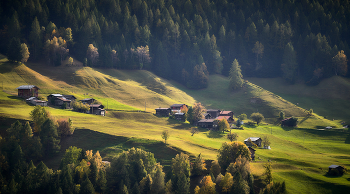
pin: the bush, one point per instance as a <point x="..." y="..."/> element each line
<point x="80" y="107"/>
<point x="65" y="127"/>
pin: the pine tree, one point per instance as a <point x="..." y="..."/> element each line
<point x="289" y="66"/>
<point x="35" y="38"/>
<point x="236" y="77"/>
<point x="49" y="137"/>
<point x="87" y="187"/>
<point x="14" y="50"/>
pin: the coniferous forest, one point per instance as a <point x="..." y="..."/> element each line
<point x="184" y="40"/>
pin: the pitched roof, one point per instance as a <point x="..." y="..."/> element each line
<point x="179" y="113"/>
<point x="28" y="87"/>
<point x="31" y="98"/>
<point x="86" y="99"/>
<point x="69" y="96"/>
<point x="212" y="110"/>
<point x="206" y="121"/>
<point x="162" y="108"/>
<point x="177" y="105"/>
<point x="252" y="138"/>
<point x="223" y="117"/>
<point x="96" y="105"/>
<point x="56" y="95"/>
<point x="333" y="166"/>
<point x="63" y="99"/>
<point x="225" y="112"/>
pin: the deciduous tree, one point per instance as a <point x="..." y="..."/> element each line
<point x="92" y="54"/>
<point x="230" y="151"/>
<point x="257" y="117"/>
<point x="207" y="186"/>
<point x="181" y="173"/>
<point x="232" y="136"/>
<point x="223" y="125"/>
<point x="340" y="63"/>
<point x="198" y="166"/>
<point x="24" y="52"/>
<point x="165" y="135"/>
<point x="39" y="115"/>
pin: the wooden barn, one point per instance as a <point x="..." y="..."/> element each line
<point x="26" y="91"/>
<point x="206" y="123"/>
<point x="97" y="109"/>
<point x="213" y="112"/>
<point x="256" y="140"/>
<point x="165" y="112"/>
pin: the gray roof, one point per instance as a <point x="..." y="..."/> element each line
<point x="56" y="95"/>
<point x="333" y="166"/>
<point x="252" y="138"/>
<point x="206" y="121"/>
<point x="177" y="105"/>
<point x="211" y="110"/>
<point x="86" y="99"/>
<point x="28" y="87"/>
<point x="179" y="113"/>
<point x="31" y="98"/>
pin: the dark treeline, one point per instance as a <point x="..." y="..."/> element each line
<point x="187" y="40"/>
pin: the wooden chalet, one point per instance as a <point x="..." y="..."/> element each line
<point x="36" y="102"/>
<point x="97" y="109"/>
<point x="26" y="91"/>
<point x="226" y="113"/>
<point x="59" y="100"/>
<point x="207" y="123"/>
<point x="229" y="119"/>
<point x="88" y="101"/>
<point x="177" y="107"/>
<point x="213" y="112"/>
<point x="256" y="140"/>
<point x="180" y="116"/>
<point x="165" y="112"/>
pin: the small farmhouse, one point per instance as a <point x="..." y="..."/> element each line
<point x="206" y="123"/>
<point x="88" y="101"/>
<point x="26" y="91"/>
<point x="229" y="119"/>
<point x="289" y="122"/>
<point x="97" y="109"/>
<point x="36" y="102"/>
<point x="177" y="107"/>
<point x="165" y="112"/>
<point x="226" y="113"/>
<point x="256" y="140"/>
<point x="70" y="97"/>
<point x="213" y="112"/>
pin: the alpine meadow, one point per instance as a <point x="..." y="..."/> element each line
<point x="174" y="96"/>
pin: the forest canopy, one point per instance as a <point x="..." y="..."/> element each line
<point x="186" y="40"/>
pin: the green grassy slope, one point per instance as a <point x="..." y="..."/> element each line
<point x="329" y="98"/>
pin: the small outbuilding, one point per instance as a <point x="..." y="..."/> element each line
<point x="335" y="170"/>
<point x="59" y="100"/>
<point x="207" y="116"/>
<point x="180" y="116"/>
<point x="255" y="140"/>
<point x="70" y="97"/>
<point x="36" y="102"/>
<point x="165" y="112"/>
<point x="26" y="91"/>
<point x="97" y="109"/>
<point x="206" y="123"/>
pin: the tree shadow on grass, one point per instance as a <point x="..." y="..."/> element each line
<point x="347" y="140"/>
<point x="214" y="134"/>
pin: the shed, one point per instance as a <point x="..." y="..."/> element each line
<point x="256" y="140"/>
<point x="35" y="101"/>
<point x="26" y="91"/>
<point x="213" y="112"/>
<point x="180" y="116"/>
<point x="163" y="111"/>
<point x="206" y="123"/>
<point x="59" y="100"/>
<point x="97" y="109"/>
<point x="335" y="170"/>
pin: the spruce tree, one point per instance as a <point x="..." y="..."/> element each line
<point x="236" y="77"/>
<point x="49" y="137"/>
<point x="87" y="187"/>
<point x="14" y="50"/>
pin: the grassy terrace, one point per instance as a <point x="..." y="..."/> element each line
<point x="300" y="156"/>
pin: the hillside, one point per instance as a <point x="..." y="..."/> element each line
<point x="330" y="98"/>
<point x="292" y="160"/>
